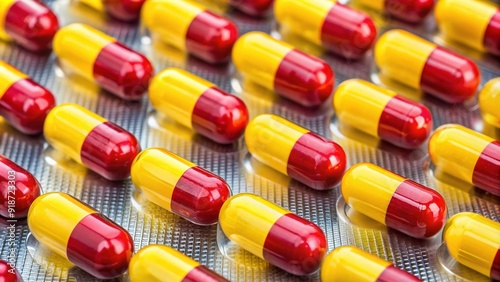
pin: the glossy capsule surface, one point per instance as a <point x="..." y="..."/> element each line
<point x="273" y="233"/>
<point x="98" y="57"/>
<point x="382" y="113"/>
<point x="348" y="263"/>
<point x="80" y="234"/>
<point x="489" y="101"/>
<point x="253" y="7"/>
<point x="189" y="26"/>
<point x="412" y="11"/>
<point x="124" y="10"/>
<point x="8" y="273"/>
<point x="91" y="140"/>
<point x="468" y="155"/>
<point x="472" y="23"/>
<point x="157" y="263"/>
<point x="279" y="67"/>
<point x="295" y="151"/>
<point x="23" y="102"/>
<point x="338" y="28"/>
<point x="29" y="23"/>
<point x="18" y="189"/>
<point x="390" y="199"/>
<point x="199" y="104"/>
<point x="179" y="185"/>
<point x="474" y="241"/>
<point x="420" y="64"/>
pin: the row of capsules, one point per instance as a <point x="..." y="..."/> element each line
<point x="91" y="140"/>
<point x="288" y="168"/>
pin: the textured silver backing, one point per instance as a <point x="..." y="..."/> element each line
<point x="149" y="224"/>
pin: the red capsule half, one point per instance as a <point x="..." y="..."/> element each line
<point x="18" y="189"/>
<point x="8" y="273"/>
<point x="253" y="7"/>
<point x="125" y="10"/>
<point x="23" y="103"/>
<point x="30" y="24"/>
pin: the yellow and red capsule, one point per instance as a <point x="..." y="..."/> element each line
<point x="349" y="263"/>
<point x="8" y="272"/>
<point x="467" y="155"/>
<point x="84" y="236"/>
<point x="489" y="101"/>
<point x="338" y="28"/>
<point x="420" y="64"/>
<point x="295" y="151"/>
<point x="179" y="185"/>
<point x="474" y="241"/>
<point x="29" y="23"/>
<point x="273" y="233"/>
<point x="199" y="104"/>
<point x="98" y="57"/>
<point x="18" y="189"/>
<point x="190" y="26"/>
<point x="390" y="199"/>
<point x="279" y="67"/>
<point x="412" y="11"/>
<point x="472" y="23"/>
<point x="23" y="102"/>
<point x="382" y="113"/>
<point x="91" y="140"/>
<point x="157" y="263"/>
<point x="124" y="10"/>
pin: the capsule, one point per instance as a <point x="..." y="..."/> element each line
<point x="179" y="185"/>
<point x="28" y="23"/>
<point x="338" y="28"/>
<point x="382" y="113"/>
<point x="412" y="11"/>
<point x="467" y="155"/>
<point x="191" y="27"/>
<point x="98" y="57"/>
<point x="23" y="102"/>
<point x="489" y="101"/>
<point x="349" y="263"/>
<point x="255" y="8"/>
<point x="279" y="67"/>
<point x="199" y="104"/>
<point x="124" y="10"/>
<point x="84" y="236"/>
<point x="19" y="189"/>
<point x="8" y="273"/>
<point x="274" y="234"/>
<point x="420" y="64"/>
<point x="295" y="151"/>
<point x="473" y="240"/>
<point x="157" y="263"/>
<point x="472" y="23"/>
<point x="399" y="203"/>
<point x="91" y="140"/>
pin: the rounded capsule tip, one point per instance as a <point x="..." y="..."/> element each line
<point x="32" y="25"/>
